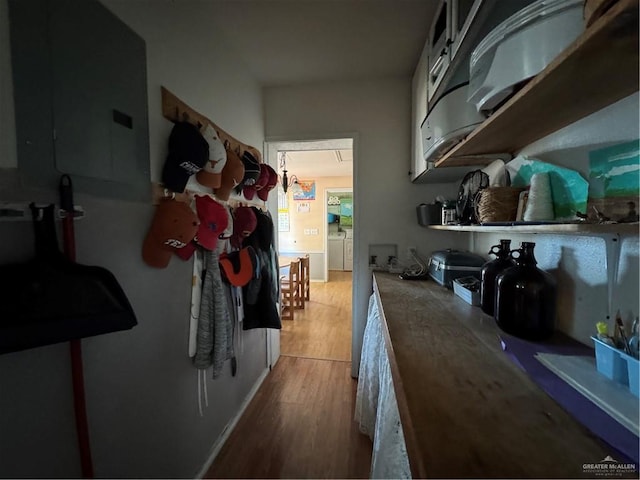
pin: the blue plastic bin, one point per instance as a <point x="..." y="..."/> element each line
<point x="633" y="373"/>
<point x="610" y="362"/>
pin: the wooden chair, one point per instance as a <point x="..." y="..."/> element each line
<point x="290" y="291"/>
<point x="304" y="279"/>
<point x="303" y="273"/>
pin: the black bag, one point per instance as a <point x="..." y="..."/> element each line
<point x="51" y="299"/>
<point x="471" y="185"/>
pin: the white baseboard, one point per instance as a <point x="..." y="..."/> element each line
<point x="217" y="446"/>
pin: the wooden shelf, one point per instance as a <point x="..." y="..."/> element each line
<point x="558" y="228"/>
<point x="601" y="67"/>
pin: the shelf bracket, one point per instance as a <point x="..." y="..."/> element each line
<point x="612" y="245"/>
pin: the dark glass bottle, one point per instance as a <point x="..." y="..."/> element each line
<point x="489" y="273"/>
<point x="525" y="303"/>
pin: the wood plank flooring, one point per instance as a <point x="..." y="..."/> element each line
<point x="323" y="328"/>
<point x="300" y="423"/>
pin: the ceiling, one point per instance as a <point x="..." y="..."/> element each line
<point x="288" y="42"/>
<point x="293" y="42"/>
<point x="307" y="165"/>
<point x="296" y="42"/>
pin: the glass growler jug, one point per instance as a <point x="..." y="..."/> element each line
<point x="525" y="303"/>
<point x="489" y="273"/>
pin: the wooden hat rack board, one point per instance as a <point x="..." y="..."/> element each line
<point x="218" y="307"/>
<point x="175" y="110"/>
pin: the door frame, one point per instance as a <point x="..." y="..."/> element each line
<point x="271" y="147"/>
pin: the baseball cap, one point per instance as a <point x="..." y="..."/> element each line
<point x="173" y="227"/>
<point x="244" y="223"/>
<point x="211" y="174"/>
<point x="188" y="153"/>
<point x="213" y="221"/>
<point x="251" y="171"/>
<point x="228" y="232"/>
<point x="232" y="175"/>
<point x="250" y="190"/>
<point x="255" y="152"/>
<point x="272" y="181"/>
<point x="238" y="267"/>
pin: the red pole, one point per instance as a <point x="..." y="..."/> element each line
<point x="79" y="402"/>
<point x="75" y="346"/>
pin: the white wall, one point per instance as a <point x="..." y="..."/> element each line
<point x="141" y="386"/>
<point x="378" y="113"/>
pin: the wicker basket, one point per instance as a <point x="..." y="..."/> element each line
<point x="497" y="204"/>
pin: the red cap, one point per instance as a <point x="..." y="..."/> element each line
<point x="173" y="227"/>
<point x="213" y="221"/>
<point x="250" y="190"/>
<point x="272" y="181"/>
<point x="244" y="223"/>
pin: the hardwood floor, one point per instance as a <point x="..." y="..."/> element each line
<point x="300" y="423"/>
<point x="323" y="328"/>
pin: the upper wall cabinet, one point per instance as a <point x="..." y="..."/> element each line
<point x="80" y="90"/>
<point x="458" y="26"/>
<point x="599" y="68"/>
<point x="439" y="53"/>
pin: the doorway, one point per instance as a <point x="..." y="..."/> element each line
<point x="339" y="237"/>
<point x="323" y="328"/>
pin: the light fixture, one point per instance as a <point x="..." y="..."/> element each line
<point x="286" y="181"/>
<point x="296" y="188"/>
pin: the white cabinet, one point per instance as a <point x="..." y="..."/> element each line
<point x="420" y="170"/>
<point x="605" y="54"/>
<point x="440" y="66"/>
<point x="447" y="35"/>
<point x="348" y="254"/>
<point x="438" y="46"/>
<point x="457" y="28"/>
<point x="418" y="113"/>
<point x="335" y="247"/>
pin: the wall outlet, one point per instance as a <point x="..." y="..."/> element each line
<point x="314" y="231"/>
<point x="307" y="231"/>
<point x="409" y="251"/>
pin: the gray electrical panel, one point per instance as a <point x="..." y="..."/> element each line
<point x="80" y="89"/>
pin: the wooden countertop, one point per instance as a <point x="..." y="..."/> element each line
<point x="467" y="411"/>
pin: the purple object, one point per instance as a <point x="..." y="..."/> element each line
<point x="523" y="352"/>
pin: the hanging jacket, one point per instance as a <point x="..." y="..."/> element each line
<point x="215" y="327"/>
<point x="261" y="295"/>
